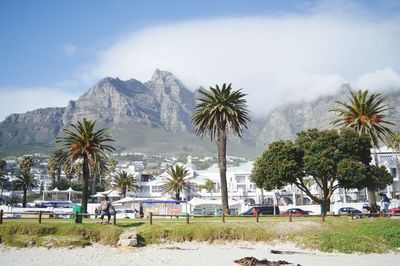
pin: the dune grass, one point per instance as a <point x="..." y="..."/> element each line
<point x="341" y="234"/>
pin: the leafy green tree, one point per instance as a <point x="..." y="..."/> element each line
<point x="26" y="181"/>
<point x="177" y="182"/>
<point x="124" y="181"/>
<point x="25" y="164"/>
<point x="327" y="158"/>
<point x="366" y="113"/>
<point x="83" y="142"/>
<point x="218" y="111"/>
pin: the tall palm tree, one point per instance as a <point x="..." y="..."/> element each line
<point x="83" y="142"/>
<point x="26" y="181"/>
<point x="125" y="181"/>
<point x="366" y="113"/>
<point x="218" y="111"/>
<point x="177" y="182"/>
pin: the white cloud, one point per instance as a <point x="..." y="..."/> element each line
<point x="379" y="80"/>
<point x="19" y="100"/>
<point x="69" y="49"/>
<point x="275" y="59"/>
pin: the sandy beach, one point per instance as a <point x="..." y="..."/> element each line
<point x="183" y="254"/>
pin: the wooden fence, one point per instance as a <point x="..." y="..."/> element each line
<point x="290" y="217"/>
<point x="42" y="214"/>
<point x="187" y="217"/>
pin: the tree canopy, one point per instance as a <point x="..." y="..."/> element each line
<point x="328" y="158"/>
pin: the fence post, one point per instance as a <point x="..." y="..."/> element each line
<point x="76" y="217"/>
<point x="223" y="217"/>
<point x="40" y="217"/>
<point x="1" y="216"/>
<point x="257" y="216"/>
<point x="115" y="218"/>
<point x="187" y="218"/>
<point x="151" y="218"/>
<point x="290" y="217"/>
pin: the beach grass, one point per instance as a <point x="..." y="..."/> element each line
<point x="336" y="234"/>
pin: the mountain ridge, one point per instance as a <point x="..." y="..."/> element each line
<point x="154" y="117"/>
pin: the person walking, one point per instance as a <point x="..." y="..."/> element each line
<point x="385" y="202"/>
<point x="105" y="207"/>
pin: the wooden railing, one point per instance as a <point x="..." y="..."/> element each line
<point x="49" y="214"/>
<point x="223" y="217"/>
<point x="290" y="217"/>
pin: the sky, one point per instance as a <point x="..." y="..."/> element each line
<point x="276" y="51"/>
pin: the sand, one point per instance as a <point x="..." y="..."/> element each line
<point x="184" y="254"/>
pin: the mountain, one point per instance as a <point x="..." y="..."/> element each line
<point x="154" y="117"/>
<point x="287" y="120"/>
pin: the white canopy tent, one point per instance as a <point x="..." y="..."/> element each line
<point x="56" y="191"/>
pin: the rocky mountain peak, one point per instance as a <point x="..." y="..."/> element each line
<point x="162" y="76"/>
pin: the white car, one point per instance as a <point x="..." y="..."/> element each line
<point x="127" y="213"/>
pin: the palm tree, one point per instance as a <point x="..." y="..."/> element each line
<point x="3" y="181"/>
<point x="99" y="167"/>
<point x="208" y="186"/>
<point x="366" y="114"/>
<point x="83" y="142"/>
<point x="218" y="111"/>
<point x="124" y="182"/>
<point x="177" y="182"/>
<point x="26" y="181"/>
<point x="25" y="164"/>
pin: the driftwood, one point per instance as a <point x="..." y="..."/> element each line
<point x="289" y="252"/>
<point x="251" y="261"/>
<point x="178" y="248"/>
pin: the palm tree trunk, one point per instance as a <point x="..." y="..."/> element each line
<point x="371" y="193"/>
<point x="58" y="174"/>
<point x="85" y="175"/>
<point x="24" y="198"/>
<point x="221" y="143"/>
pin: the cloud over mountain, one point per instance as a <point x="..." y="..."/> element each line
<point x="277" y="58"/>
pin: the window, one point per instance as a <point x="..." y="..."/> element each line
<point x="145" y="177"/>
<point x="156" y="188"/>
<point x="240" y="179"/>
<point x="145" y="189"/>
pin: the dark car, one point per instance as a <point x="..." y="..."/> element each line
<point x="348" y="210"/>
<point x="295" y="212"/>
<point x="262" y="210"/>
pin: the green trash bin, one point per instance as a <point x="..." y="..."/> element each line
<point x="77" y="209"/>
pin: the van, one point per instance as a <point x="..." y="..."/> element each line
<point x="262" y="210"/>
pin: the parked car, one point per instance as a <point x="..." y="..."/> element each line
<point x="127" y="213"/>
<point x="394" y="207"/>
<point x="262" y="210"/>
<point x="348" y="210"/>
<point x="295" y="212"/>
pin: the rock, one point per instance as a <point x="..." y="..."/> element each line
<point x="128" y="239"/>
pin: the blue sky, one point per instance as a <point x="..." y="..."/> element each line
<point x="53" y="51"/>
